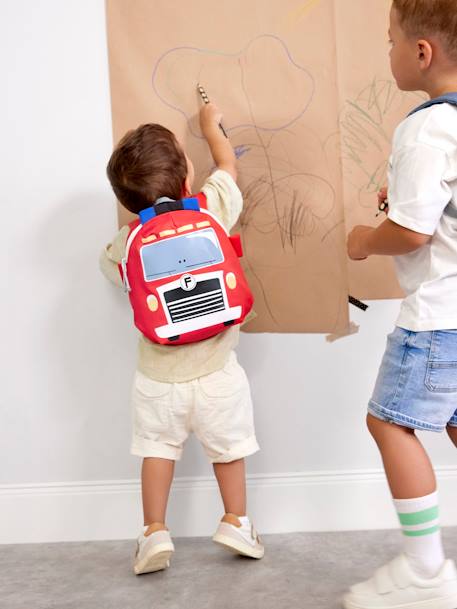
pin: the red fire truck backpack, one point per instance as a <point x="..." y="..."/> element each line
<point x="182" y="272"/>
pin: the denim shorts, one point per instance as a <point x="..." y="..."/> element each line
<point x="417" y="381"/>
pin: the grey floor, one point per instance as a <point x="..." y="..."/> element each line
<point x="299" y="571"/>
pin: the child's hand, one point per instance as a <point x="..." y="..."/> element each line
<point x="382" y="194"/>
<point x="210" y="116"/>
<point x="356" y="243"/>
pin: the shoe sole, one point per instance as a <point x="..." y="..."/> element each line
<point x="447" y="602"/>
<point x="157" y="560"/>
<point x="238" y="547"/>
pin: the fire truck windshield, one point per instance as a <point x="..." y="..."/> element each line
<point x="181" y="254"/>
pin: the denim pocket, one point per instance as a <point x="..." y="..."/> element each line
<point x="441" y="376"/>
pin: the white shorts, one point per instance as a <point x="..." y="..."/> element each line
<point x="216" y="407"/>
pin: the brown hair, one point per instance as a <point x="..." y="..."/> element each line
<point x="147" y="163"/>
<point x="430" y="17"/>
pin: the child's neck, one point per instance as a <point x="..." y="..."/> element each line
<point x="442" y="86"/>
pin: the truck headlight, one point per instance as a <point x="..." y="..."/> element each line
<point x="153" y="303"/>
<point x="230" y="279"/>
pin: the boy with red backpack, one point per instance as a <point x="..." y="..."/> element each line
<point x="189" y="295"/>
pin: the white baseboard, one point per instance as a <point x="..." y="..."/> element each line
<point x="278" y="503"/>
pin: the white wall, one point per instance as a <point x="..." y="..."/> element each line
<point x="68" y="349"/>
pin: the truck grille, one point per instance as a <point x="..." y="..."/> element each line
<point x="204" y="299"/>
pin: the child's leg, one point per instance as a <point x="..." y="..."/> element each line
<point x="223" y="421"/>
<point x="235" y="531"/>
<point x="408" y="468"/>
<point x="154" y="544"/>
<point x="413" y="485"/>
<point x="156" y="479"/>
<point x="414" y="391"/>
<point x="452" y="433"/>
<point x="160" y="412"/>
<point x="231" y="478"/>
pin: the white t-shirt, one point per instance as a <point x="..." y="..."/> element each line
<point x="422" y="196"/>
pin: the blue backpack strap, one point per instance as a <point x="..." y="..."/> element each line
<point x="191" y="204"/>
<point x="449" y="98"/>
<point x="147" y="214"/>
<point x="165" y="205"/>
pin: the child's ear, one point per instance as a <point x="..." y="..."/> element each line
<point x="186" y="187"/>
<point x="424" y="54"/>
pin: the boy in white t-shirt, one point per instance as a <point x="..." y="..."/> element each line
<point x="416" y="387"/>
<point x="197" y="387"/>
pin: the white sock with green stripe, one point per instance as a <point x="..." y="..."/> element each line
<point x="419" y="519"/>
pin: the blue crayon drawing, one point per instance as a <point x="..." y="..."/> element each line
<point x="268" y="93"/>
<point x="240" y="150"/>
<point x="173" y="56"/>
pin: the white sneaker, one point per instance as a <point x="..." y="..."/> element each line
<point x="396" y="586"/>
<point x="239" y="536"/>
<point x="154" y="548"/>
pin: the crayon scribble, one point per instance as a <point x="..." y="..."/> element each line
<point x="240" y="150"/>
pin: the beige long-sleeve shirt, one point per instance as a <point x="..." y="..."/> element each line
<point x="180" y="363"/>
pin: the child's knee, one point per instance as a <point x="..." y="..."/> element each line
<point x="380" y="429"/>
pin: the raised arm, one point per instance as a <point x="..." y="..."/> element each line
<point x="220" y="146"/>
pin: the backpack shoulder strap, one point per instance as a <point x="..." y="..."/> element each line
<point x="134" y="227"/>
<point x="449" y="98"/>
<point x="165" y="205"/>
<point x="202" y="201"/>
<point x="133" y="224"/>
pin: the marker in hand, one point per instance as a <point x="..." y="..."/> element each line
<point x="383" y="206"/>
<point x="205" y="98"/>
<point x="383" y="203"/>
